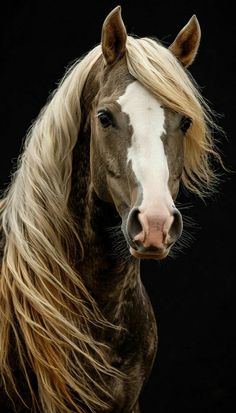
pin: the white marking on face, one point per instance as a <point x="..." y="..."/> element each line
<point x="146" y="153"/>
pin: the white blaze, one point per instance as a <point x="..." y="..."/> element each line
<point x="146" y="152"/>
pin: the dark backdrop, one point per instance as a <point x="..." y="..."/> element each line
<point x="194" y="294"/>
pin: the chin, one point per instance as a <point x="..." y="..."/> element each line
<point x="149" y="254"/>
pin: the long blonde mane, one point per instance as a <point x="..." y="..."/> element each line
<point x="44" y="304"/>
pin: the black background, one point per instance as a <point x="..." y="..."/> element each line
<point x="193" y="295"/>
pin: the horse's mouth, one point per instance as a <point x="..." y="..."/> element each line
<point x="149" y="255"/>
<point x="142" y="253"/>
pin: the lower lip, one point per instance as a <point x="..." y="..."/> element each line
<point x="148" y="256"/>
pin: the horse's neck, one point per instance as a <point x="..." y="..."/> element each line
<point x="107" y="277"/>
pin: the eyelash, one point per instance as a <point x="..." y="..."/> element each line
<point x="105" y="118"/>
<point x="185" y="124"/>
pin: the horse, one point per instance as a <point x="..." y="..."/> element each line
<point x="93" y="194"/>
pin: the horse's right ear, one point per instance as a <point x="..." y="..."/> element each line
<point x="113" y="36"/>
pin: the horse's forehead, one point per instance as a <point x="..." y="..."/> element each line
<point x="140" y="105"/>
<point x="116" y="81"/>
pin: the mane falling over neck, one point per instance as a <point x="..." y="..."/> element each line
<point x="45" y="306"/>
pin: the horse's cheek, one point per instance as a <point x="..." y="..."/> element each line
<point x="174" y="188"/>
<point x="98" y="179"/>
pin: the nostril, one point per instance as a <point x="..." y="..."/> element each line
<point x="177" y="226"/>
<point x="134" y="226"/>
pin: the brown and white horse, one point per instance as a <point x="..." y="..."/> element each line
<point x="105" y="156"/>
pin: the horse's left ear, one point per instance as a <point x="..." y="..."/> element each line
<point x="185" y="45"/>
<point x="113" y="36"/>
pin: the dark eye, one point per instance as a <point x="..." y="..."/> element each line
<point x="185" y="124"/>
<point x="105" y="118"/>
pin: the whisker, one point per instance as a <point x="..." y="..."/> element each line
<point x="181" y="206"/>
<point x="188" y="236"/>
<point x="118" y="242"/>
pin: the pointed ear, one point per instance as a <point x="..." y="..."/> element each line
<point x="113" y="36"/>
<point x="186" y="44"/>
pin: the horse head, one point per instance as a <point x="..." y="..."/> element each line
<point x="137" y="142"/>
